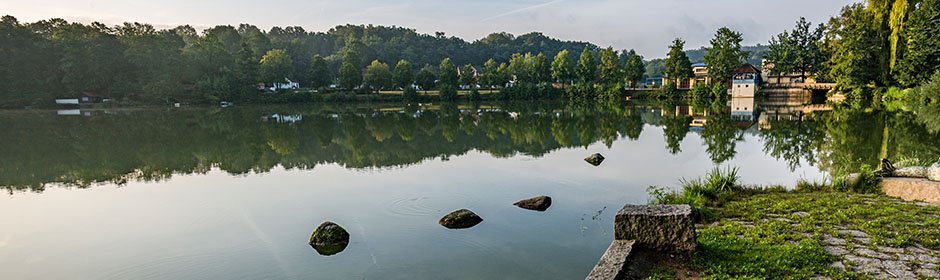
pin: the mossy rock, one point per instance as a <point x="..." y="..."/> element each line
<point x="329" y="239"/>
<point x="460" y="219"/>
<point x="595" y="159"/>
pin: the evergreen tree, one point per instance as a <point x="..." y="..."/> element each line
<point x="678" y="66"/>
<point x="610" y="71"/>
<point x="724" y="55"/>
<point x="634" y="69"/>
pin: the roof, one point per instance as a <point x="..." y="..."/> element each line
<point x="746" y="68"/>
<point x="700" y="64"/>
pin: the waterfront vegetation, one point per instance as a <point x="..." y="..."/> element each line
<point x="815" y="229"/>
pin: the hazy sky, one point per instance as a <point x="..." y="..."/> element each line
<point x="647" y="26"/>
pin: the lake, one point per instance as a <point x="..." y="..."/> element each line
<point x="235" y="193"/>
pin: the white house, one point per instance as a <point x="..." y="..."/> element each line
<point x="287" y="84"/>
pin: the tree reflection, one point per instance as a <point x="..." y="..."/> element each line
<point x="151" y="145"/>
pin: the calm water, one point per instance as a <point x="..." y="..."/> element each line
<point x="235" y="193"/>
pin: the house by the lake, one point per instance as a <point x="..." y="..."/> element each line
<point x="745" y="81"/>
<point x="287" y="84"/>
<point x="699" y="75"/>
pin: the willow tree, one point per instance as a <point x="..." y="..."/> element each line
<point x="892" y="16"/>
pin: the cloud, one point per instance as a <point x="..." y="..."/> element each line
<point x="516" y="11"/>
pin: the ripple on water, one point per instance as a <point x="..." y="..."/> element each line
<point x="411" y="207"/>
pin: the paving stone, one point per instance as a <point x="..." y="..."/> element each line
<point x="890" y="250"/>
<point x="838" y="265"/>
<point x="874" y="254"/>
<point x="898" y="269"/>
<point x="828" y="239"/>
<point x="836" y="250"/>
<point x="854" y="233"/>
<point x="928" y="273"/>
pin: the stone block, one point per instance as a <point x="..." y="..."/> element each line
<point x="667" y="228"/>
<point x="912" y="189"/>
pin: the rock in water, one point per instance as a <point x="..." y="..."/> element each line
<point x="539" y="203"/>
<point x="933" y="172"/>
<point x="595" y="159"/>
<point x="911" y="172"/>
<point x="460" y="219"/>
<point x="329" y="239"/>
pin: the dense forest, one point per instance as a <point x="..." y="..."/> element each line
<point x="869" y="50"/>
<point x="137" y="62"/>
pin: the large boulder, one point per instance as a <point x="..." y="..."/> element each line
<point x="538" y="203"/>
<point x="911" y="172"/>
<point x="329" y="239"/>
<point x="595" y="159"/>
<point x="933" y="172"/>
<point x="460" y="219"/>
<point x="666" y="228"/>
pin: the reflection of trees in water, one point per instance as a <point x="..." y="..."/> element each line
<point x="675" y="128"/>
<point x="150" y="145"/>
<point x="793" y="141"/>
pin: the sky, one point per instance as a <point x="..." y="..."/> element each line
<point x="647" y="26"/>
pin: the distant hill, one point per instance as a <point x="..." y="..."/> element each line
<point x="757" y="54"/>
<point x="656" y="67"/>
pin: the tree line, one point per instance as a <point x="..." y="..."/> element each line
<point x="865" y="49"/>
<point x="137" y="63"/>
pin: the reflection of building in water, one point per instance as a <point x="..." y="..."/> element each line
<point x="788" y="107"/>
<point x="699" y="116"/>
<point x="284" y="118"/>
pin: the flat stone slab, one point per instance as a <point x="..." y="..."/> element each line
<point x="912" y="189"/>
<point x="613" y="263"/>
<point x="666" y="228"/>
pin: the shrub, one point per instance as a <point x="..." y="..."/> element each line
<point x="718" y="186"/>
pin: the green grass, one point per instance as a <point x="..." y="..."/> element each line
<point x="749" y="233"/>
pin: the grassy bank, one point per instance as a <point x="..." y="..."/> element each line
<point x="813" y="230"/>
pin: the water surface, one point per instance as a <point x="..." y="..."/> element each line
<point x="235" y="193"/>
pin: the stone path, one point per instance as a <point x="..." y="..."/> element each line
<point x="858" y="254"/>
